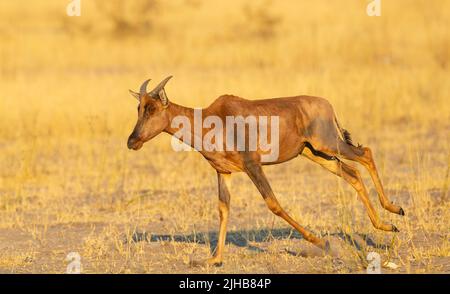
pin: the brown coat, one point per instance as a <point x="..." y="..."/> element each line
<point x="307" y="126"/>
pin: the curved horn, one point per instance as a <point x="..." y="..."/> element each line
<point x="160" y="86"/>
<point x="134" y="94"/>
<point x="143" y="89"/>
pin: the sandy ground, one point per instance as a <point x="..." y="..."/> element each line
<point x="160" y="230"/>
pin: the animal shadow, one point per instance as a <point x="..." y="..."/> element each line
<point x="250" y="238"/>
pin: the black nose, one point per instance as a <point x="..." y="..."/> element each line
<point x="134" y="143"/>
<point x="131" y="142"/>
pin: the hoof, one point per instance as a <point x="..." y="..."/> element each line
<point x="401" y="212"/>
<point x="394" y="229"/>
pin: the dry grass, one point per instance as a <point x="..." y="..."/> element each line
<point x="68" y="182"/>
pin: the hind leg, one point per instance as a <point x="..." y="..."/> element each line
<point x="364" y="156"/>
<point x="353" y="177"/>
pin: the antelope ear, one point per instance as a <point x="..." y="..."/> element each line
<point x="163" y="97"/>
<point x="135" y="95"/>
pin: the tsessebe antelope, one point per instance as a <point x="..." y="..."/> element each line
<point x="307" y="126"/>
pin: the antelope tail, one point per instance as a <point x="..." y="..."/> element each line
<point x="345" y="134"/>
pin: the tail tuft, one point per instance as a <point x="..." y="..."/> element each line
<point x="347" y="137"/>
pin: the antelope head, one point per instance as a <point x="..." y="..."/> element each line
<point x="152" y="115"/>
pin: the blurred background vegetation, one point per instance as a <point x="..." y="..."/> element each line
<point x="388" y="68"/>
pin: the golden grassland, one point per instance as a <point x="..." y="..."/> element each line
<point x="68" y="182"/>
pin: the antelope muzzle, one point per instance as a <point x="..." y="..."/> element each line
<point x="134" y="142"/>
